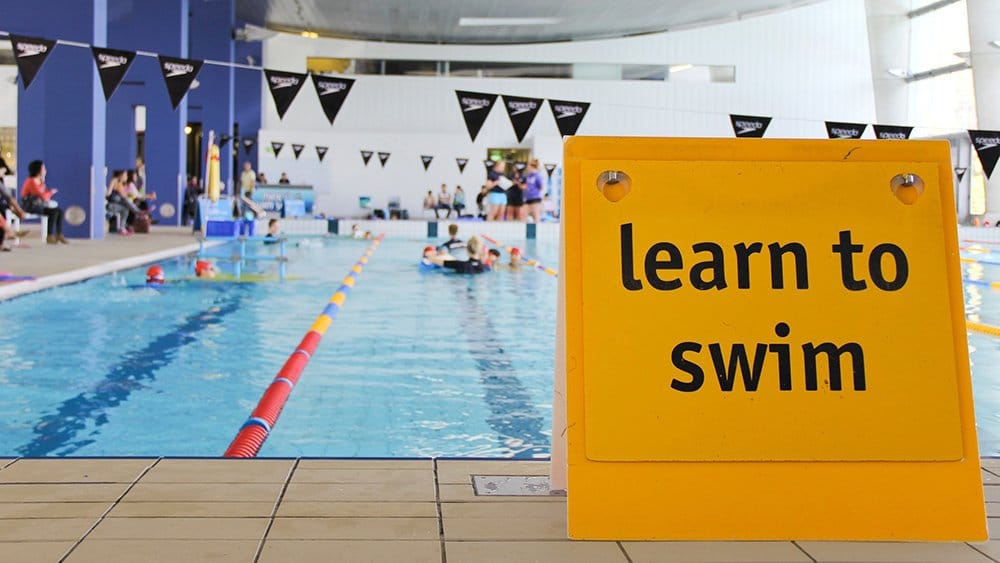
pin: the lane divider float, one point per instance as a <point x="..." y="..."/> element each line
<point x="978" y="261"/>
<point x="985" y="329"/>
<point x="984" y="283"/>
<point x="254" y="432"/>
<point x="529" y="261"/>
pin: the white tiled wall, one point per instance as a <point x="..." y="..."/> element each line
<point x="980" y="234"/>
<point x="418" y="229"/>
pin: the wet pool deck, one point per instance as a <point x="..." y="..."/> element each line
<point x="217" y="510"/>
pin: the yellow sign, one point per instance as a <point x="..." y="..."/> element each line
<point x="766" y="339"/>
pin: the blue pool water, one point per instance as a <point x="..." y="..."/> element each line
<point x="414" y="365"/>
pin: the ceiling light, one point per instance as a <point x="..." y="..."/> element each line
<point x="310" y="34"/>
<point x="187" y="129"/>
<point x="679" y="68"/>
<point x="489" y="22"/>
<point x="995" y="44"/>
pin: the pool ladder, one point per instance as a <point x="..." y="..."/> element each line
<point x="240" y="257"/>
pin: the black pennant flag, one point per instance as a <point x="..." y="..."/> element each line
<point x="960" y="172"/>
<point x="749" y="125"/>
<point x="332" y="92"/>
<point x="568" y="115"/>
<point x="297" y="150"/>
<point x="276" y="146"/>
<point x="488" y="164"/>
<point x="112" y="65"/>
<point x="284" y="86"/>
<point x="426" y="159"/>
<point x="30" y="54"/>
<point x="224" y="140"/>
<point x="366" y="156"/>
<point x="550" y="168"/>
<point x="475" y="108"/>
<point x="461" y="164"/>
<point x="892" y="132"/>
<point x="248" y="143"/>
<point x="838" y="130"/>
<point x="520" y="166"/>
<point x="522" y="112"/>
<point x="987" y="145"/>
<point x="178" y="74"/>
<point x="321" y="152"/>
<point x="383" y="157"/>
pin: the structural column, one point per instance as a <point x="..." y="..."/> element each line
<point x="983" y="29"/>
<point x="161" y="27"/>
<point x="889" y="42"/>
<point x="60" y="118"/>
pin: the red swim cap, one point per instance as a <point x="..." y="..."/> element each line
<point x="201" y="266"/>
<point x="154" y="274"/>
<point x="428" y="249"/>
<point x="515" y="250"/>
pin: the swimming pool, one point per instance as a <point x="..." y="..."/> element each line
<point x="414" y="365"/>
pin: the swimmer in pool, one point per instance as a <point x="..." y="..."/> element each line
<point x="204" y="269"/>
<point x="155" y="277"/>
<point x="273" y="230"/>
<point x="474" y="265"/>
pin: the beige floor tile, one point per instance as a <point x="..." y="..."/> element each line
<point x="54" y="529"/>
<point x="993" y="509"/>
<point x="715" y="552"/>
<point x="53" y="509"/>
<point x="520" y="552"/>
<point x="283" y="551"/>
<point x="990" y="463"/>
<point x="164" y="551"/>
<point x="505" y="528"/>
<point x="423" y="491"/>
<point x="465" y="493"/>
<point x="63" y="492"/>
<point x="5" y="461"/>
<point x="994" y="527"/>
<point x="69" y="470"/>
<point x="886" y="551"/>
<point x="355" y="464"/>
<point x="219" y="471"/>
<point x="990" y="478"/>
<point x="35" y="552"/>
<point x="354" y="529"/>
<point x="204" y="492"/>
<point x="992" y="493"/>
<point x="363" y="476"/>
<point x="193" y="509"/>
<point x="357" y="509"/>
<point x="990" y="548"/>
<point x="180" y="529"/>
<point x="550" y="510"/>
<point x="461" y="471"/>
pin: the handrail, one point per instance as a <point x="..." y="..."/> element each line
<point x="256" y="429"/>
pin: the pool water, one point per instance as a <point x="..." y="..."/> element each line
<point x="414" y="364"/>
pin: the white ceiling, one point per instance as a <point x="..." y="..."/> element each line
<point x="437" y="21"/>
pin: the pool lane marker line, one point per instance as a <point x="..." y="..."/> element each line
<point x="984" y="283"/>
<point x="985" y="329"/>
<point x="529" y="261"/>
<point x="978" y="261"/>
<point x="255" y="430"/>
<point x="981" y="241"/>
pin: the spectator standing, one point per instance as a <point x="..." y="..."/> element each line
<point x="248" y="180"/>
<point x="534" y="187"/>
<point x="496" y="183"/>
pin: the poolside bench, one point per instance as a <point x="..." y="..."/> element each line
<point x="15" y="223"/>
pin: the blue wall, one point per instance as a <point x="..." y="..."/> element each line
<point x="211" y="104"/>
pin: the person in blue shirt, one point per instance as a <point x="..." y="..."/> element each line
<point x="534" y="188"/>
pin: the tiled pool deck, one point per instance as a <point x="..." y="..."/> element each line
<point x="194" y="510"/>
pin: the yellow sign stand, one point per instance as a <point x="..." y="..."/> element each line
<point x="765" y="339"/>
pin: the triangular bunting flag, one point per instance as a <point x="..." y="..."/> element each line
<point x="475" y="107"/>
<point x="960" y="172"/>
<point x="284" y="86"/>
<point x="248" y="143"/>
<point x="321" y="152"/>
<point x="426" y="159"/>
<point x="839" y="130"/>
<point x="112" y="65"/>
<point x="332" y="92"/>
<point x="383" y="157"/>
<point x="224" y="140"/>
<point x="366" y="156"/>
<point x="568" y="115"/>
<point x="749" y="125"/>
<point x="461" y="164"/>
<point x="522" y="112"/>
<point x="276" y="146"/>
<point x="520" y="166"/>
<point x="297" y="150"/>
<point x="987" y="145"/>
<point x="178" y="74"/>
<point x="30" y="54"/>
<point x="550" y="168"/>
<point x="892" y="132"/>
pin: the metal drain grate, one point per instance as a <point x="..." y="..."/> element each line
<point x="511" y="485"/>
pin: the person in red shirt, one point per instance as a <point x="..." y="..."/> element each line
<point x="36" y="198"/>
